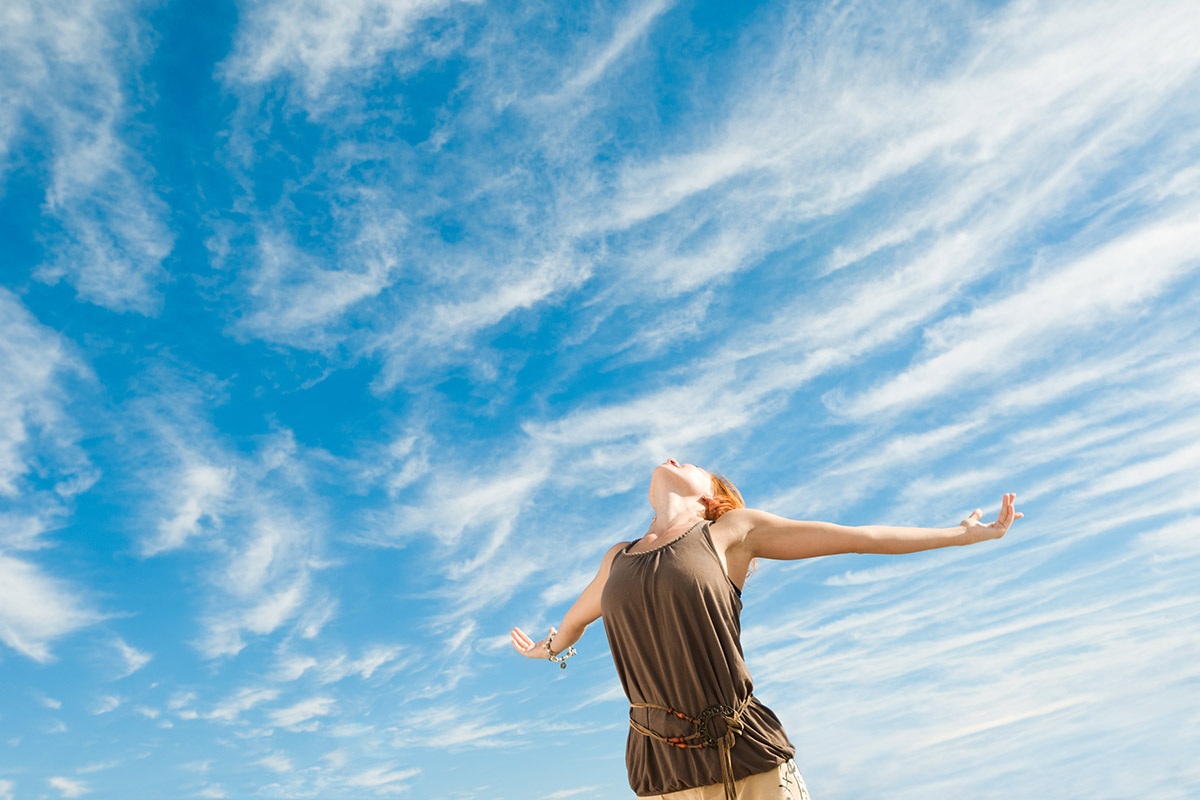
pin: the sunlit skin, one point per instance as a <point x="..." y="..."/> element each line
<point x="679" y="494"/>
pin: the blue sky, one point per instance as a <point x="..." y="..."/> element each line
<point x="337" y="337"/>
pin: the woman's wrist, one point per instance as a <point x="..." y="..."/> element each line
<point x="558" y="656"/>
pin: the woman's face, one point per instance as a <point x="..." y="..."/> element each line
<point x="683" y="479"/>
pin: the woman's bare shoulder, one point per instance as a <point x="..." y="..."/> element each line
<point x="607" y="561"/>
<point x="732" y="526"/>
<point x="735" y="521"/>
<point x="616" y="548"/>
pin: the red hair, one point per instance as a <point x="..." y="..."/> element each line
<point x="726" y="497"/>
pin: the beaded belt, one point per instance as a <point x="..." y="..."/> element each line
<point x="702" y="736"/>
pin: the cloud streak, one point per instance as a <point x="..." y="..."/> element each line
<point x="110" y="229"/>
<point x="450" y="278"/>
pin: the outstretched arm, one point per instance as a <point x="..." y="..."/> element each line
<point x="760" y="534"/>
<point x="582" y="613"/>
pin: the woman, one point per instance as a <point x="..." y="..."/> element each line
<point x="671" y="603"/>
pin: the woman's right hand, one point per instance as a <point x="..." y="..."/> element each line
<point x="528" y="647"/>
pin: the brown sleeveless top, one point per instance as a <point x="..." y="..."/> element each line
<point x="671" y="615"/>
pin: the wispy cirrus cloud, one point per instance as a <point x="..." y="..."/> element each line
<point x="69" y="787"/>
<point x="105" y="704"/>
<point x="323" y="45"/>
<point x="229" y="709"/>
<point x="70" y="68"/>
<point x="43" y="371"/>
<point x="381" y="659"/>
<point x="42" y="468"/>
<point x="995" y="338"/>
<point x="305" y="711"/>
<point x="133" y="658"/>
<point x="945" y="641"/>
<point x="36" y="608"/>
<point x="471" y="270"/>
<point x="240" y="508"/>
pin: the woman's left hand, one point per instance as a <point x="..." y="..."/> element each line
<point x="528" y="647"/>
<point x="993" y="530"/>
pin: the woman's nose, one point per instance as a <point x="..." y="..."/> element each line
<point x="672" y="462"/>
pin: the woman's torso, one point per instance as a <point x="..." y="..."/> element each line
<point x="672" y="617"/>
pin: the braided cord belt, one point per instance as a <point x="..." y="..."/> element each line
<point x="702" y="736"/>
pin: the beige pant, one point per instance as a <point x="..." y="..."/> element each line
<point x="782" y="783"/>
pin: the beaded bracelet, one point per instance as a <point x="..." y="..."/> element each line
<point x="561" y="658"/>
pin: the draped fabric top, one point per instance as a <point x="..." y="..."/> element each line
<point x="672" y="617"/>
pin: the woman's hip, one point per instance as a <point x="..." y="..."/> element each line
<point x="781" y="783"/>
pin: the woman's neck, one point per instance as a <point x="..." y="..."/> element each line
<point x="674" y="514"/>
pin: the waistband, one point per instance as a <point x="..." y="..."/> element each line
<point x="702" y="735"/>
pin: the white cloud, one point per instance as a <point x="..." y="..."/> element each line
<point x="298" y="301"/>
<point x="244" y="699"/>
<point x="1175" y="541"/>
<point x="255" y="516"/>
<point x="37" y="608"/>
<point x="302" y="712"/>
<point x="37" y="428"/>
<point x="202" y="491"/>
<point x="180" y="700"/>
<point x="68" y="66"/>
<point x="43" y="370"/>
<point x="564" y="793"/>
<point x="6" y="789"/>
<point x="373" y="660"/>
<point x="332" y="669"/>
<point x="276" y="762"/>
<point x="1118" y="278"/>
<point x="815" y="131"/>
<point x="98" y="766"/>
<point x="317" y="42"/>
<point x="941" y="167"/>
<point x="1182" y="461"/>
<point x="450" y="725"/>
<point x="970" y="649"/>
<point x="381" y="776"/>
<point x="68" y="786"/>
<point x="291" y="667"/>
<point x="628" y="30"/>
<point x="105" y="704"/>
<point x="133" y="658"/>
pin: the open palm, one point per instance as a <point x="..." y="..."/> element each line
<point x="993" y="530"/>
<point x="528" y="647"/>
